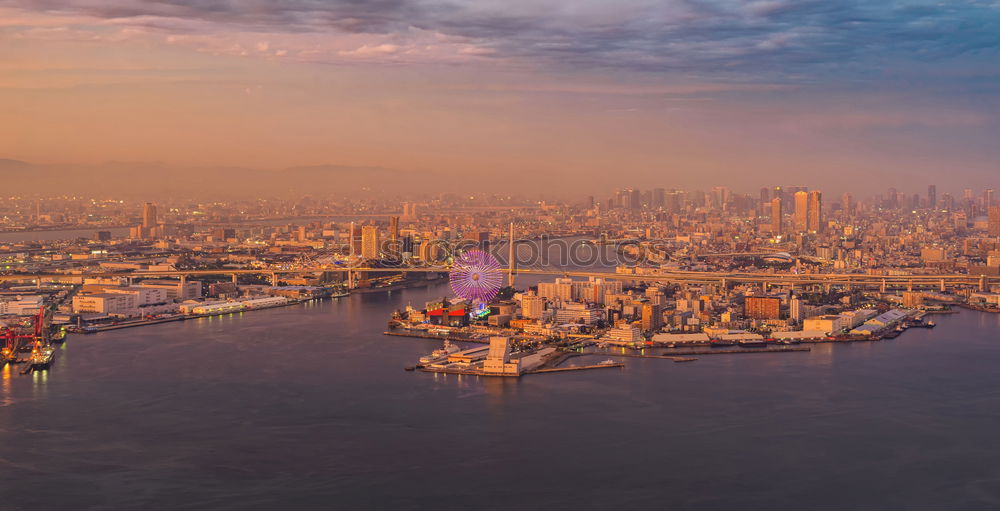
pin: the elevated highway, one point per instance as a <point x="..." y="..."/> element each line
<point x="845" y="280"/>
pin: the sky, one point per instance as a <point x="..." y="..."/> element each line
<point x="571" y="95"/>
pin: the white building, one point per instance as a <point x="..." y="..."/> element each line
<point x="22" y="305"/>
<point x="532" y="306"/>
<point x="625" y="333"/>
<point x="176" y="289"/>
<point x="578" y="313"/>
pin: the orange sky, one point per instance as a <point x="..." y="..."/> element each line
<point x="78" y="87"/>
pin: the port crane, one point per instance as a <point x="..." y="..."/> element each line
<point x="21" y="337"/>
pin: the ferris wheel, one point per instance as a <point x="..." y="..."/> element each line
<point x="476" y="276"/>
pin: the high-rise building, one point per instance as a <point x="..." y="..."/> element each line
<point x="149" y="215"/>
<point x="659" y="196"/>
<point x="801" y="211"/>
<point x="776" y="215"/>
<point x="409" y="211"/>
<point x="847" y="204"/>
<point x="994" y="221"/>
<point x="634" y="199"/>
<point x="532" y="306"/>
<point x="369" y="242"/>
<point x="931" y="197"/>
<point x="815" y="211"/>
<point x="652" y="317"/>
<point x="948" y="202"/>
<point x="394" y="247"/>
<point x="354" y="240"/>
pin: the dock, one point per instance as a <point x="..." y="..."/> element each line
<point x="576" y="368"/>
<point x="680" y="353"/>
<point x="420" y="335"/>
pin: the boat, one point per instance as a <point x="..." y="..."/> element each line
<point x="59" y="336"/>
<point x="441" y="352"/>
<point x="607" y="362"/>
<point x="42" y="356"/>
<point x="684" y="359"/>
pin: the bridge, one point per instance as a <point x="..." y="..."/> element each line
<point x="827" y="280"/>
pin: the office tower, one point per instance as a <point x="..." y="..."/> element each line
<point x="407" y="247"/>
<point x="149" y="215"/>
<point x="987" y="198"/>
<point x="994" y="221"/>
<point x="409" y="211"/>
<point x="847" y="204"/>
<point x="652" y="317"/>
<point x="634" y="199"/>
<point x="369" y="242"/>
<point x="801" y="211"/>
<point x="511" y="257"/>
<point x="795" y="311"/>
<point x="659" y="194"/>
<point x="931" y="197"/>
<point x="948" y="202"/>
<point x="765" y="195"/>
<point x="394" y="248"/>
<point x="815" y="211"/>
<point x="776" y="215"/>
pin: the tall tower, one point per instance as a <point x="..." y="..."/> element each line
<point x="394" y="235"/>
<point x="776" y="215"/>
<point x="847" y="204"/>
<point x="511" y="257"/>
<point x="801" y="211"/>
<point x="994" y="221"/>
<point x="149" y="215"/>
<point x="932" y="197"/>
<point x="369" y="242"/>
<point x="815" y="211"/>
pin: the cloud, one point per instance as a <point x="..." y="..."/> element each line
<point x="367" y="50"/>
<point x="757" y="40"/>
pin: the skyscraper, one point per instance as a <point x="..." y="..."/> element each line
<point x="149" y="215"/>
<point x="847" y="204"/>
<point x="369" y="242"/>
<point x="658" y="198"/>
<point x="931" y="197"/>
<point x="994" y="221"/>
<point x="394" y="235"/>
<point x="815" y="211"/>
<point x="776" y="215"/>
<point x="801" y="211"/>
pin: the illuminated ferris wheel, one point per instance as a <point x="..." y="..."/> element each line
<point x="476" y="276"/>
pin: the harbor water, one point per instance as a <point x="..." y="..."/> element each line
<point x="308" y="407"/>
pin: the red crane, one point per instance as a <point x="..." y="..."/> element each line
<point x="14" y="338"/>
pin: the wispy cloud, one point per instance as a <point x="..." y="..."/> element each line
<point x="763" y="38"/>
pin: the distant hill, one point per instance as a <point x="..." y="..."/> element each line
<point x="152" y="179"/>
